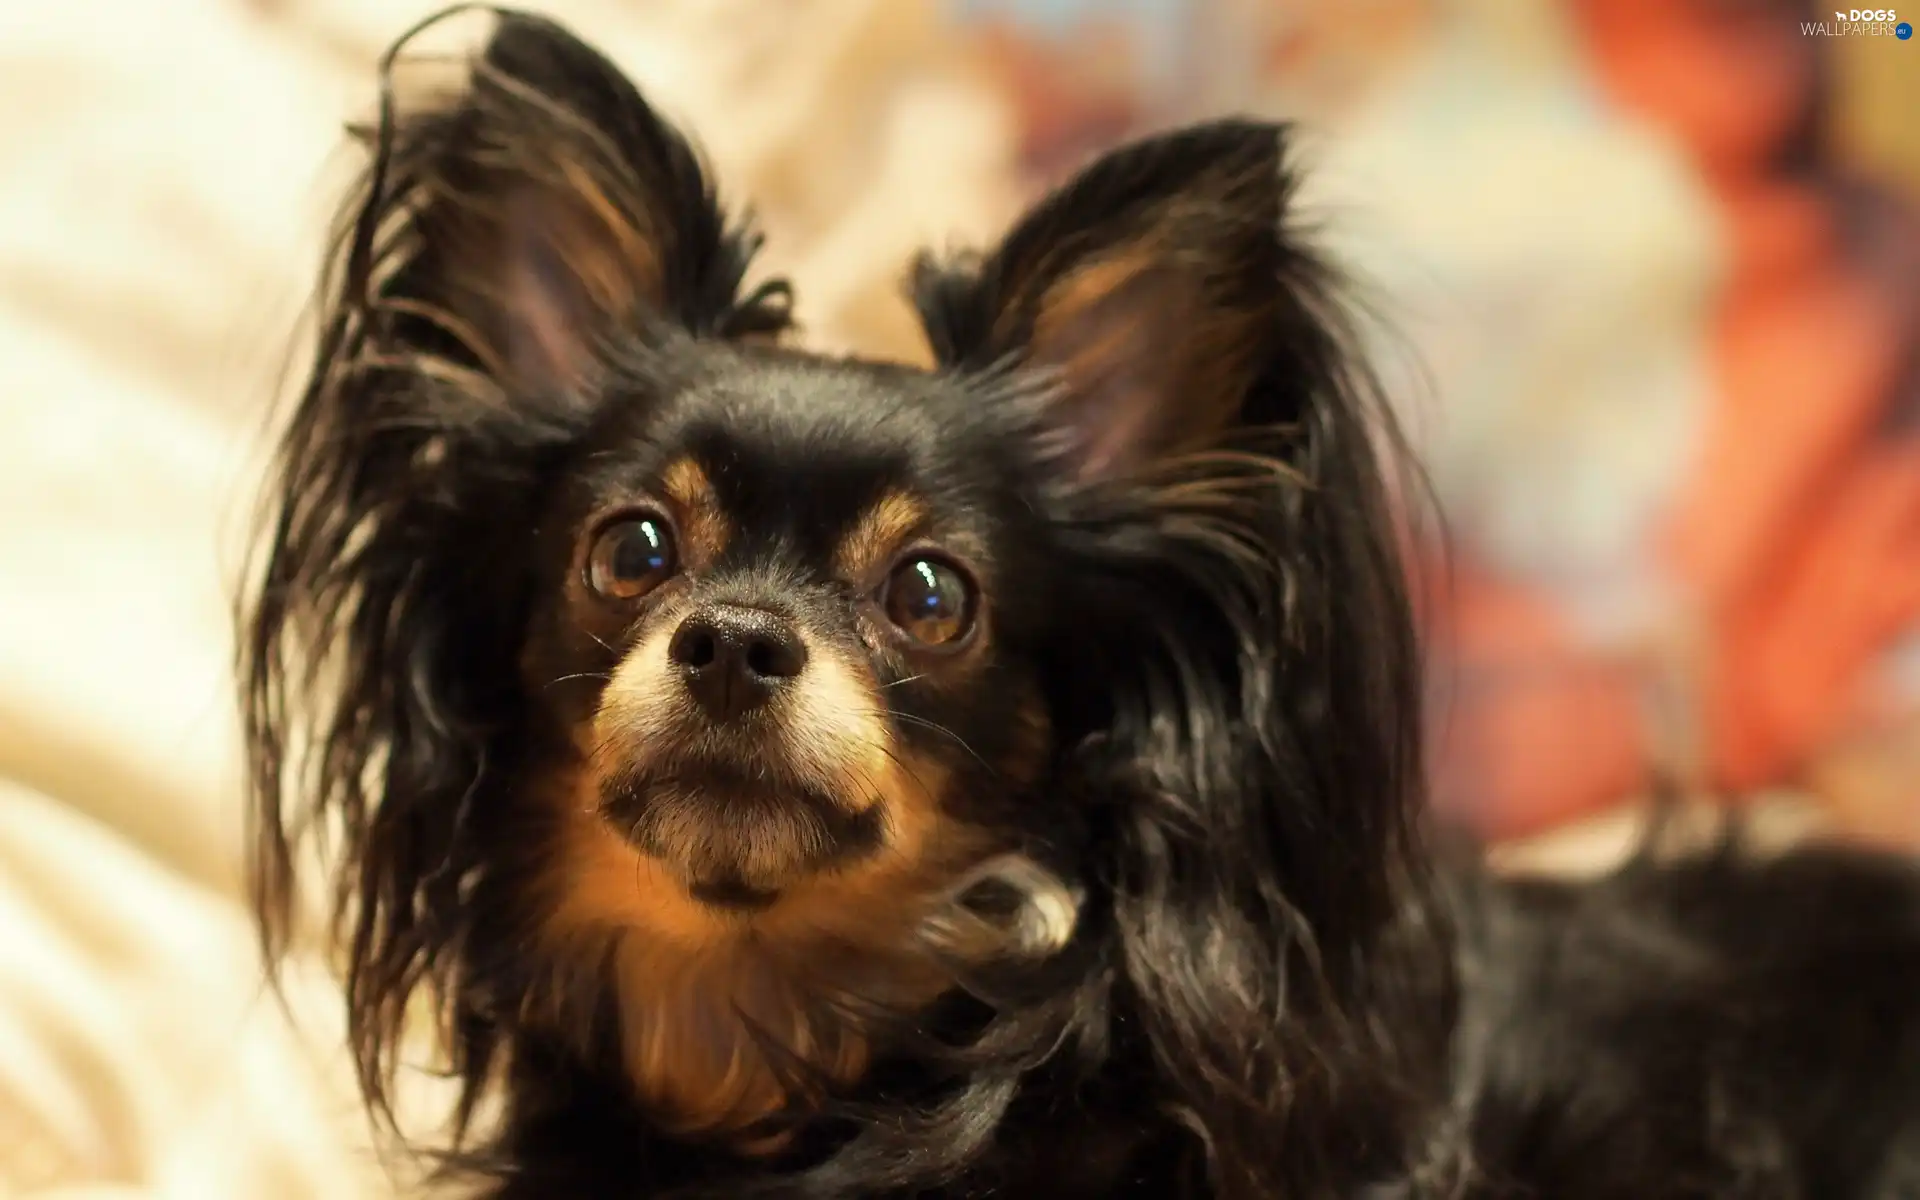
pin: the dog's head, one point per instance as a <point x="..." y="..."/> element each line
<point x="640" y="653"/>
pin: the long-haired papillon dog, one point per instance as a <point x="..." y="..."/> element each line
<point x="777" y="775"/>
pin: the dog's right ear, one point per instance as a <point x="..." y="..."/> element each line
<point x="536" y="209"/>
<point x="511" y="229"/>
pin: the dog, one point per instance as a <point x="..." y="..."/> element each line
<point x="774" y="775"/>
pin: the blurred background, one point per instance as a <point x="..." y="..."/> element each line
<point x="1648" y="281"/>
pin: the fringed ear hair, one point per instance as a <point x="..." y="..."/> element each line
<point x="538" y="207"/>
<point x="1242" y="700"/>
<point x="513" y="229"/>
<point x="1147" y="286"/>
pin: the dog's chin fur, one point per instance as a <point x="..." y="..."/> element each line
<point x="1100" y="873"/>
<point x="730" y="1017"/>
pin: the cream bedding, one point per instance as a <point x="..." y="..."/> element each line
<point x="163" y="184"/>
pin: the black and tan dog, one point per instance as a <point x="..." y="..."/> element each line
<point x="806" y="777"/>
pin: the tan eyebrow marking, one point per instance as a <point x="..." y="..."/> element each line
<point x="703" y="524"/>
<point x="877" y="533"/>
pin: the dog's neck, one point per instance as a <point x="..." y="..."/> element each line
<point x="719" y="1040"/>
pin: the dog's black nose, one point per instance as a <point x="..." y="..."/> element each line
<point x="734" y="657"/>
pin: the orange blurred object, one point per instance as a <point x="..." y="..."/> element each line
<point x="1798" y="535"/>
<point x="1537" y="729"/>
<point x="1793" y="547"/>
<point x="1731" y="81"/>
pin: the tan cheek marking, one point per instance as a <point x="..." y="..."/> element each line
<point x="640" y="698"/>
<point x="703" y="524"/>
<point x="880" y="901"/>
<point x="836" y="734"/>
<point x="601" y="883"/>
<point x="877" y="534"/>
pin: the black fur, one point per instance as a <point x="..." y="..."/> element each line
<point x="1275" y="989"/>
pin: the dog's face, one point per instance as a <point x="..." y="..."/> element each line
<point x="785" y="613"/>
<point x="791" y="619"/>
<point x="782" y="632"/>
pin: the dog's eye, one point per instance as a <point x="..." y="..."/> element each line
<point x="930" y="601"/>
<point x="630" y="558"/>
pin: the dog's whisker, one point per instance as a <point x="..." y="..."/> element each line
<point x="933" y="727"/>
<point x="600" y="675"/>
<point x="604" y="645"/>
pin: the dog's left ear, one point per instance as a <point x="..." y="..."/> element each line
<point x="1149" y="285"/>
<point x="1243" y="704"/>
